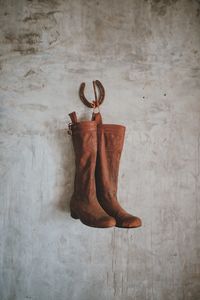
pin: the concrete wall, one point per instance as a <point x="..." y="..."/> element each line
<point x="147" y="55"/>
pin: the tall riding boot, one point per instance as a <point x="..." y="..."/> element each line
<point x="84" y="204"/>
<point x="110" y="144"/>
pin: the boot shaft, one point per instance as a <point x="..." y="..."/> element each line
<point x="110" y="145"/>
<point x="111" y="137"/>
<point x="84" y="139"/>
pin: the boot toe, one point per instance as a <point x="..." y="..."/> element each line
<point x="130" y="222"/>
<point x="107" y="222"/>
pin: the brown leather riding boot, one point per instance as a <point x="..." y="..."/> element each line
<point x="110" y="144"/>
<point x="84" y="204"/>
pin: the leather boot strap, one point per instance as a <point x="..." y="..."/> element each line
<point x="74" y="120"/>
<point x="73" y="117"/>
<point x="97" y="118"/>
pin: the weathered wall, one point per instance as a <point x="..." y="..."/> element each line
<point x="147" y="55"/>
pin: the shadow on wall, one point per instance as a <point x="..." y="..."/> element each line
<point x="65" y="171"/>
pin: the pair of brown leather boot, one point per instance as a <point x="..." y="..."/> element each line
<point x="98" y="150"/>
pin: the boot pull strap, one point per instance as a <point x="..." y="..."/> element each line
<point x="73" y="117"/>
<point x="97" y="117"/>
<point x="74" y="120"/>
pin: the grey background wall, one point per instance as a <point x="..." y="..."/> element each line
<point x="147" y="55"/>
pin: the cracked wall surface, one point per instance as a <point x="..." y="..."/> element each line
<point x="147" y="55"/>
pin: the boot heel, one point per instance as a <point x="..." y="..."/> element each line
<point x="74" y="215"/>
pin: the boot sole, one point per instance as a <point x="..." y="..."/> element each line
<point x="76" y="217"/>
<point x="128" y="227"/>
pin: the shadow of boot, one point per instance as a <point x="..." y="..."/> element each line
<point x="66" y="169"/>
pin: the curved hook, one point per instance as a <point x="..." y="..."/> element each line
<point x="98" y="100"/>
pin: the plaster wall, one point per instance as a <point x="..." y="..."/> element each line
<point x="147" y="55"/>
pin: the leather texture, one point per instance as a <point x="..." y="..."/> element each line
<point x="110" y="145"/>
<point x="84" y="204"/>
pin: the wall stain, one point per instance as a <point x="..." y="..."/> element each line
<point x="78" y="70"/>
<point x="160" y="6"/>
<point x="30" y="72"/>
<point x="39" y="16"/>
<point x="27" y="38"/>
<point x="26" y="51"/>
<point x="50" y="2"/>
<point x="26" y="43"/>
<point x="195" y="72"/>
<point x="31" y="106"/>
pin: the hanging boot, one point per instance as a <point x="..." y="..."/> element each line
<point x="84" y="204"/>
<point x="110" y="144"/>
